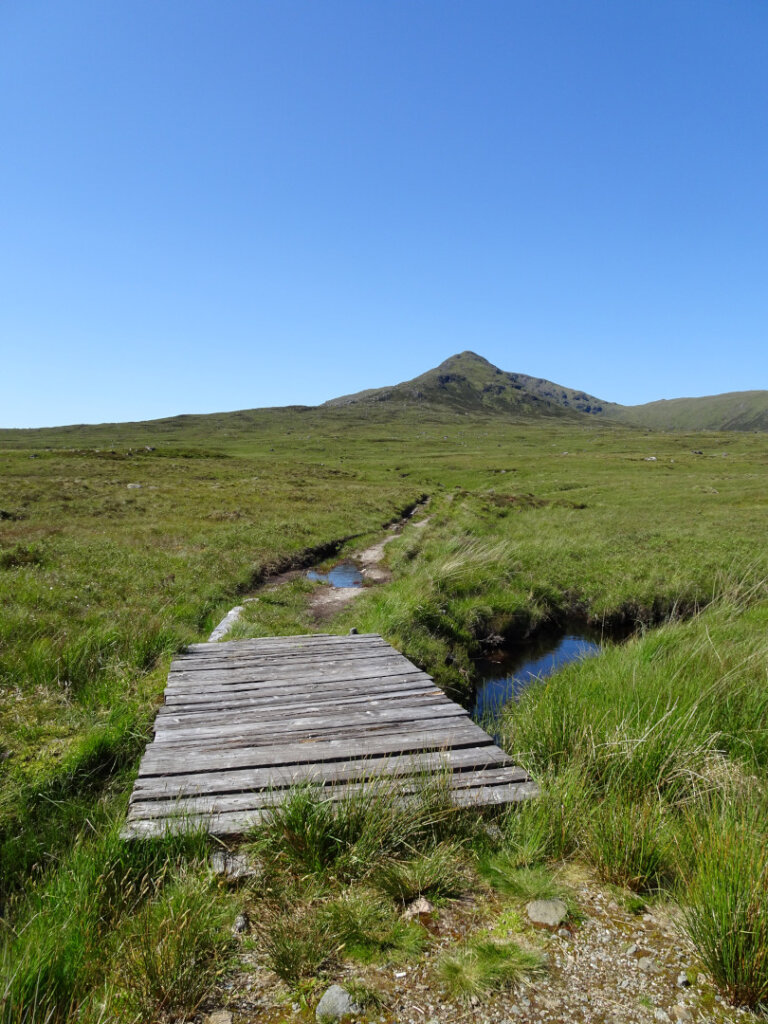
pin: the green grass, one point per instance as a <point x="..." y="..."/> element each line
<point x="531" y="522"/>
<point x="439" y="873"/>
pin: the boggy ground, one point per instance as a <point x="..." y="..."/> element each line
<point x="663" y="739"/>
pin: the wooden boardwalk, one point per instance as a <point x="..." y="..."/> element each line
<point x="246" y="719"/>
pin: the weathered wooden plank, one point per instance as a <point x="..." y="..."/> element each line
<point x="233" y="781"/>
<point x="349" y="669"/>
<point x="296" y="701"/>
<point x="224" y="803"/>
<point x="184" y="663"/>
<point x="275" y="713"/>
<point x="340" y="720"/>
<point x="292" y="638"/>
<point x="158" y="760"/>
<point x="281" y="644"/>
<point x="289" y="690"/>
<point x="265" y="696"/>
<point x="239" y="822"/>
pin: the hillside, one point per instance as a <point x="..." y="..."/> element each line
<point x="737" y="410"/>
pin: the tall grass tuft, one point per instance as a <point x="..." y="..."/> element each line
<point x="347" y="836"/>
<point x="629" y="843"/>
<point x="437" y="873"/>
<point x="297" y="942"/>
<point x="726" y="906"/>
<point x="173" y="951"/>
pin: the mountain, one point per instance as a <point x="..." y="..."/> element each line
<point x="469" y="383"/>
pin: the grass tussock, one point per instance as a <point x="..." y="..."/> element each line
<point x="725" y="905"/>
<point x="346" y="834"/>
<point x="630" y="844"/>
<point x="483" y="966"/>
<point x="173" y="950"/>
<point x="440" y="873"/>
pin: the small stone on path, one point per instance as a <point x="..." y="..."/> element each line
<point x="548" y="913"/>
<point x="336" y="1002"/>
<point x="219" y="1017"/>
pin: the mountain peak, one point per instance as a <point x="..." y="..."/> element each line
<point x="463" y="360"/>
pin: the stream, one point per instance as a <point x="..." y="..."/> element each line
<point x="505" y="675"/>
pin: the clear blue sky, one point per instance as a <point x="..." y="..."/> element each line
<point x="210" y="204"/>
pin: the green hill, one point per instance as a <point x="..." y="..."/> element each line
<point x="737" y="410"/>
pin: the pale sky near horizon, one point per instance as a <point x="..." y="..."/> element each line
<point x="224" y="204"/>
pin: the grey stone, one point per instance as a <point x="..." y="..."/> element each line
<point x="336" y="1002"/>
<point x="242" y="924"/>
<point x="219" y="1017"/>
<point x="631" y="950"/>
<point x="548" y="913"/>
<point x="133" y="487"/>
<point x="645" y="963"/>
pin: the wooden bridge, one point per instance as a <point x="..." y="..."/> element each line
<point x="244" y="720"/>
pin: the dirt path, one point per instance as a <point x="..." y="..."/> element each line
<point x="327" y="600"/>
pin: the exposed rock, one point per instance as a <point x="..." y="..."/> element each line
<point x="417" y="908"/>
<point x="336" y="1002"/>
<point x="133" y="487"/>
<point x="547" y="913"/>
<point x="241" y="925"/>
<point x="219" y="1017"/>
<point x="233" y="867"/>
<point x="646" y="963"/>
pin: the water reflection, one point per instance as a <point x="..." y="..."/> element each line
<point x="345" y="574"/>
<point x="503" y="677"/>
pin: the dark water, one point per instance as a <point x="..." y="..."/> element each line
<point x="504" y="676"/>
<point x="345" y="574"/>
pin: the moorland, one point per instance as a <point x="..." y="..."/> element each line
<point x="122" y="543"/>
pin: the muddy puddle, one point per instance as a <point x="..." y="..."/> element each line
<point x="505" y="675"/>
<point x="342" y="576"/>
